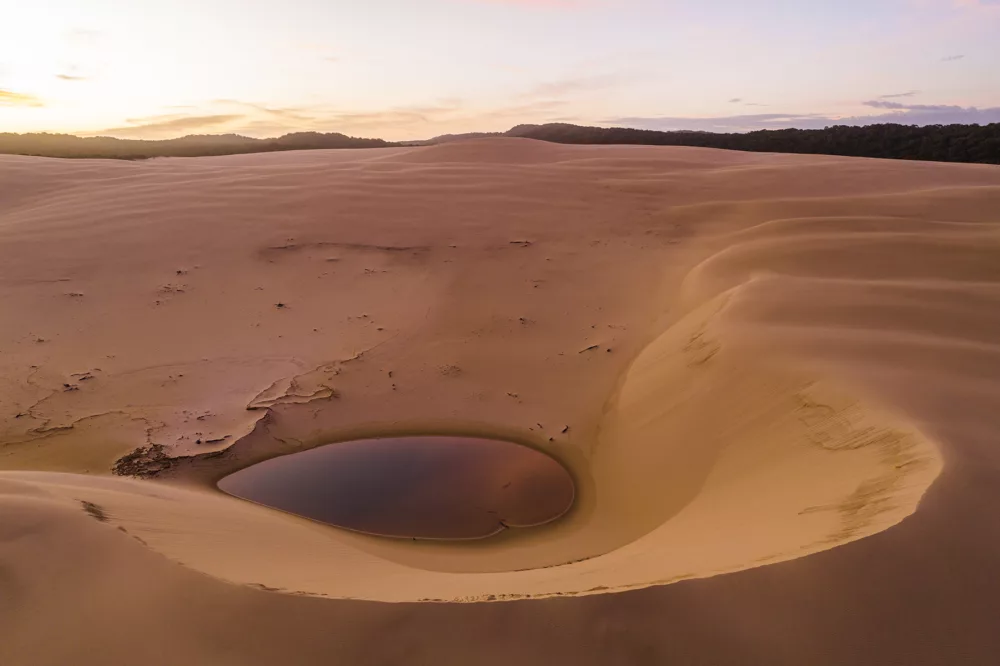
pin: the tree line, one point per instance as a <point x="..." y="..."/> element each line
<point x="939" y="143"/>
<point x="67" y="145"/>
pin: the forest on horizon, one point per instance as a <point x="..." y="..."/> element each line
<point x="938" y="143"/>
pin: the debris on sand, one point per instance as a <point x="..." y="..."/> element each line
<point x="144" y="462"/>
<point x="450" y="370"/>
<point x="95" y="511"/>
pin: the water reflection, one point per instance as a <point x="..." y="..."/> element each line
<point x="414" y="487"/>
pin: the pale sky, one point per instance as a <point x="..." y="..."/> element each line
<point x="407" y="69"/>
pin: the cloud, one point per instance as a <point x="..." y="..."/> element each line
<point x="9" y="98"/>
<point x="288" y="114"/>
<point x="260" y="119"/>
<point x="735" y="123"/>
<point x="572" y="85"/>
<point x="447" y="115"/>
<point x="70" y="77"/>
<point x="256" y="119"/>
<point x="905" y="94"/>
<point x="903" y="114"/>
<point x="736" y="100"/>
<point x="173" y="125"/>
<point x="952" y="58"/>
<point x="919" y="108"/>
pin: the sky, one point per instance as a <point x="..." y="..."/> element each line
<point x="410" y="69"/>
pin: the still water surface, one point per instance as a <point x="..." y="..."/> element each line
<point x="414" y="487"/>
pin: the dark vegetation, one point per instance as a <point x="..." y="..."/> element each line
<point x="67" y="145"/>
<point x="939" y="143"/>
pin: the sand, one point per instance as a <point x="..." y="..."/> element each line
<point x="780" y="368"/>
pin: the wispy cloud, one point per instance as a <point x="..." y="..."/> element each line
<point x="952" y="58"/>
<point x="736" y="100"/>
<point x="285" y="114"/>
<point x="882" y="104"/>
<point x="571" y="86"/>
<point x="904" y="114"/>
<point x="10" y="98"/>
<point x="170" y="125"/>
<point x="911" y="93"/>
<point x="734" y="123"/>
<point x="70" y="77"/>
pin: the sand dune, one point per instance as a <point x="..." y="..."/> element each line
<point x="743" y="359"/>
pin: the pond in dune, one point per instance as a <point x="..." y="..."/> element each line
<point x="425" y="487"/>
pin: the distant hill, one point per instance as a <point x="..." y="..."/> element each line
<point x="939" y="143"/>
<point x="449" y="138"/>
<point x="67" y="145"/>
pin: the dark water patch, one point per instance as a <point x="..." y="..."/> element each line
<point x="413" y="487"/>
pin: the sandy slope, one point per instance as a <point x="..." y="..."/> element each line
<point x="760" y="357"/>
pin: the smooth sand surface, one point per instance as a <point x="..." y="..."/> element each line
<point x="743" y="359"/>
